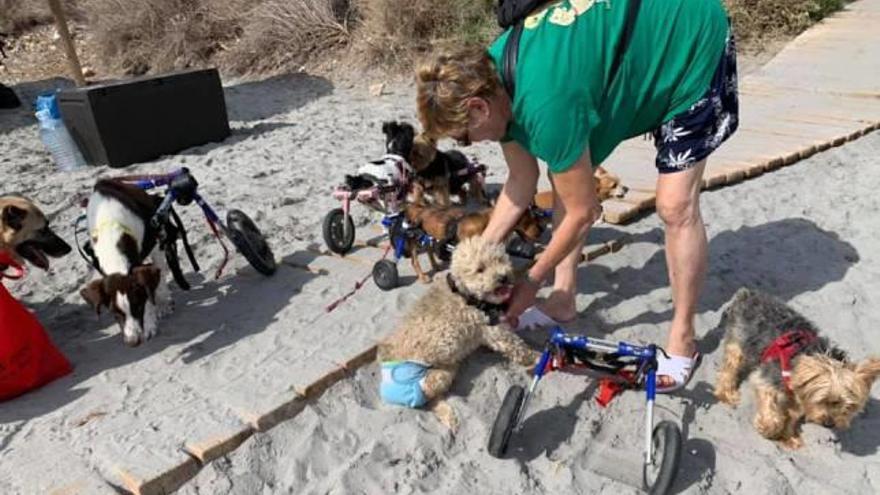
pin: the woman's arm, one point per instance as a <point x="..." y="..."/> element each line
<point x="575" y="194"/>
<point x="517" y="194"/>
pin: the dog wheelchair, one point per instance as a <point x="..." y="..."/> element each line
<point x="372" y="187"/>
<point x="621" y="366"/>
<point x="380" y="185"/>
<point x="182" y="188"/>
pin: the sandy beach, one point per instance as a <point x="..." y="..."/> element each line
<point x="806" y="233"/>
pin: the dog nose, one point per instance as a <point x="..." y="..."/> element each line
<point x="828" y="423"/>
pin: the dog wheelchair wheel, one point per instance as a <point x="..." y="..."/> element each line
<point x="505" y="421"/>
<point x="658" y="476"/>
<point x="250" y="242"/>
<point x="338" y="231"/>
<point x="385" y="274"/>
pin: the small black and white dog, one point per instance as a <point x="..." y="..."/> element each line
<point x="393" y="168"/>
<point x="122" y="240"/>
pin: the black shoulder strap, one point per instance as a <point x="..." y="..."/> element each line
<point x="511" y="49"/>
<point x="508" y="61"/>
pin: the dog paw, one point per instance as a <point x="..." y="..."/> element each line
<point x="446" y="415"/>
<point x="529" y="360"/>
<point x="791" y="443"/>
<point x="729" y="397"/>
<point x="165" y="309"/>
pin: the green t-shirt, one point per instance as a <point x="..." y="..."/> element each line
<point x="566" y="52"/>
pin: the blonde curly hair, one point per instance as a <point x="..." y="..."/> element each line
<point x="444" y="85"/>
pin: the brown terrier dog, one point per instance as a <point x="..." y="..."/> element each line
<point x="452" y="224"/>
<point x="607" y="186"/>
<point x="444" y="173"/>
<point x="796" y="373"/>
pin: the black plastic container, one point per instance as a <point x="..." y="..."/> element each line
<point x="141" y="119"/>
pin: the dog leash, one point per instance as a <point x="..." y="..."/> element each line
<point x="360" y="283"/>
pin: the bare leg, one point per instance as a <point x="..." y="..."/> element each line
<point x="678" y="204"/>
<point x="560" y="304"/>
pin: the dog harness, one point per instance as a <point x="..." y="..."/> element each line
<point x="393" y="169"/>
<point x="785" y="348"/>
<point x="108" y="224"/>
<point x="492" y="310"/>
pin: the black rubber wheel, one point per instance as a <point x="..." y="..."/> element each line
<point x="505" y="421"/>
<point x="335" y="225"/>
<point x="659" y="476"/>
<point x="385" y="274"/>
<point x="250" y="242"/>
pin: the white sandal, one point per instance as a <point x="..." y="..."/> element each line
<point x="679" y="368"/>
<point x="533" y="318"/>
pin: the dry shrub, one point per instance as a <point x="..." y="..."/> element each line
<point x="17" y="16"/>
<point x="396" y="31"/>
<point x="136" y="36"/>
<point x="755" y="20"/>
<point x="281" y="34"/>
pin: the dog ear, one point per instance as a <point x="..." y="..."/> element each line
<point x="148" y="277"/>
<point x="13" y="217"/>
<point x="388" y="127"/>
<point x="868" y="370"/>
<point x="408" y="131"/>
<point x="95" y="295"/>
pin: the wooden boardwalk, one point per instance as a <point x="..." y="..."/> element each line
<point x="822" y="90"/>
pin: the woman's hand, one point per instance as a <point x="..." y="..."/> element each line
<point x="523" y="297"/>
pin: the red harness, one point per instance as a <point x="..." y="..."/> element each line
<point x="785" y="348"/>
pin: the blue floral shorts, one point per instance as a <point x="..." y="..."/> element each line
<point x="698" y="131"/>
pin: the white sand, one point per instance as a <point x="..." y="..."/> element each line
<point x="806" y="233"/>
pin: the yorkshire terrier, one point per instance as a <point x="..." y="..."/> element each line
<point x="797" y="374"/>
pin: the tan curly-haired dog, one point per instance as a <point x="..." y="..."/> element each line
<point x="455" y="317"/>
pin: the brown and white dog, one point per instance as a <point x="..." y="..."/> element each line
<point x="607" y="186"/>
<point x="25" y="232"/>
<point x="122" y="240"/>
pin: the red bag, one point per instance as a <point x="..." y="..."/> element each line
<point x="28" y="359"/>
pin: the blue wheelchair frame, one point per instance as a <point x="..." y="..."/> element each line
<point x="645" y="374"/>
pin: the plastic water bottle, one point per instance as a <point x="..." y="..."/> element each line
<point x="55" y="135"/>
